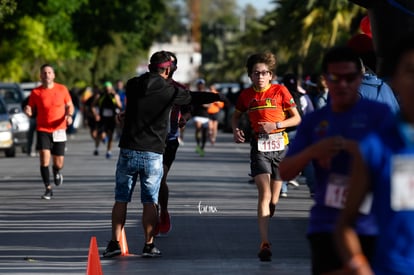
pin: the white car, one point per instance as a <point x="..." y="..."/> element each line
<point x="12" y="95"/>
<point x="6" y="131"/>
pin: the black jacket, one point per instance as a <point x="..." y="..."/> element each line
<point x="149" y="101"/>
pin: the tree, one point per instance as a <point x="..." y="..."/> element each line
<point x="7" y="7"/>
<point x="78" y="37"/>
<point x="37" y="32"/>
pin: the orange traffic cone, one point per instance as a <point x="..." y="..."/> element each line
<point x="94" y="263"/>
<point x="123" y="243"/>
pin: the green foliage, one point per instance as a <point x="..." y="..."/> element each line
<point x="298" y="32"/>
<point x="90" y="41"/>
<point x="7" y="7"/>
<point x="86" y="40"/>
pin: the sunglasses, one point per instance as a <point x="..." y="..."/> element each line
<point x="336" y="78"/>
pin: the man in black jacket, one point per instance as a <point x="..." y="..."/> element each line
<point x="150" y="98"/>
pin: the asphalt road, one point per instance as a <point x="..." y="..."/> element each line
<point x="213" y="209"/>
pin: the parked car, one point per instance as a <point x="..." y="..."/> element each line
<point x="6" y="131"/>
<point x="27" y="87"/>
<point x="12" y="95"/>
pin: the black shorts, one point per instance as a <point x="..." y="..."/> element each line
<point x="325" y="257"/>
<point x="213" y="117"/>
<point x="170" y="152"/>
<point x="45" y="142"/>
<point x="265" y="162"/>
<point x="106" y="124"/>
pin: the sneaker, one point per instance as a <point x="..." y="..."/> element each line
<point x="201" y="152"/>
<point x="283" y="195"/>
<point x="58" y="178"/>
<point x="265" y="255"/>
<point x="272" y="208"/>
<point x="165" y="223"/>
<point x="48" y="194"/>
<point x="198" y="149"/>
<point x="95" y="153"/>
<point x="108" y="155"/>
<point x="150" y="251"/>
<point x="294" y="183"/>
<point x="113" y="249"/>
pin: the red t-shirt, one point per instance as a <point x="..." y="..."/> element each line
<point x="265" y="106"/>
<point x="50" y="105"/>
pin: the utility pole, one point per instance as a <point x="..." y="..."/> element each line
<point x="195" y="21"/>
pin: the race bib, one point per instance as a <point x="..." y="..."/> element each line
<point x="270" y="143"/>
<point x="107" y="112"/>
<point x="337" y="190"/>
<point x="59" y="135"/>
<point x="402" y="182"/>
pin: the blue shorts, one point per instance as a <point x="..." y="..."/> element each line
<point x="133" y="164"/>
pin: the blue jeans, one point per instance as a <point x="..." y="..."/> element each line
<point x="131" y="164"/>
<point x="284" y="187"/>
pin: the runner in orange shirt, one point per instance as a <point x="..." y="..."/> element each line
<point x="266" y="105"/>
<point x="213" y="111"/>
<point x="54" y="108"/>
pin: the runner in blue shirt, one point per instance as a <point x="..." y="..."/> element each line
<point x="322" y="139"/>
<point x="384" y="165"/>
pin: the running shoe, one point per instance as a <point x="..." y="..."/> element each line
<point x="108" y="155"/>
<point x="48" y="194"/>
<point x="265" y="255"/>
<point x="165" y="223"/>
<point x="283" y="195"/>
<point x="198" y="149"/>
<point x="58" y="178"/>
<point x="96" y="152"/>
<point x="294" y="183"/>
<point x="150" y="251"/>
<point x="113" y="249"/>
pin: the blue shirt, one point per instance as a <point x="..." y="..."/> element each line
<point x="376" y="89"/>
<point x="364" y="117"/>
<point x="394" y="252"/>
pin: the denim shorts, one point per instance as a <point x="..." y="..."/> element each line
<point x="133" y="164"/>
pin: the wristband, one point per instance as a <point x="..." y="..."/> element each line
<point x="357" y="261"/>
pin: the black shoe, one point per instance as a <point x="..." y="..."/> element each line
<point x="265" y="255"/>
<point x="150" y="251"/>
<point x="48" y="194"/>
<point x="58" y="178"/>
<point x="113" y="249"/>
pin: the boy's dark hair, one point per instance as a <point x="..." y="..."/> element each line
<point x="341" y="54"/>
<point x="267" y="58"/>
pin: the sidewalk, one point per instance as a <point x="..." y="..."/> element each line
<point x="213" y="209"/>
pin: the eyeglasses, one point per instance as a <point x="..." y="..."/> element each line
<point x="262" y="73"/>
<point x="336" y="78"/>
